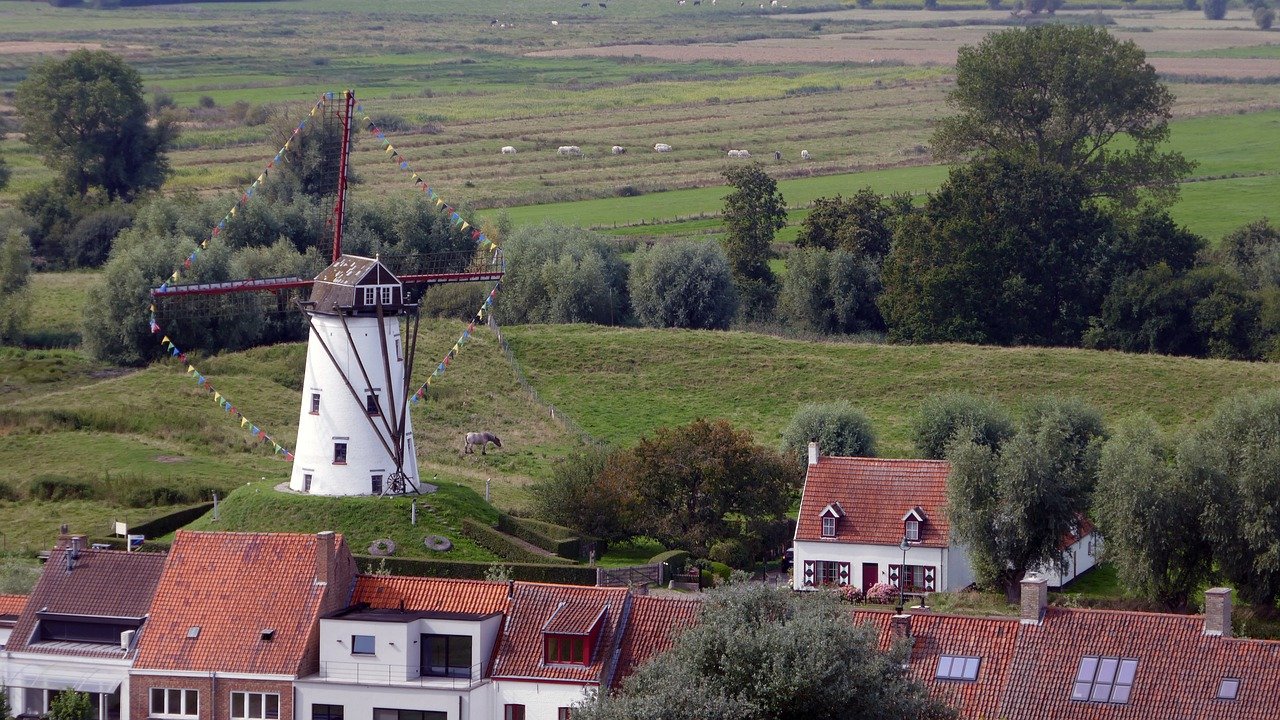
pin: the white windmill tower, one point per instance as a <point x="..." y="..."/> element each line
<point x="355" y="436"/>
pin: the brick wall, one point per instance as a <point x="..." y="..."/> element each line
<point x="213" y="706"/>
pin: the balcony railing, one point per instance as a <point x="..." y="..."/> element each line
<point x="375" y="673"/>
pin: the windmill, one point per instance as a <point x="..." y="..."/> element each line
<point x="355" y="434"/>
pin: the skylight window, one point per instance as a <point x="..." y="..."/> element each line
<point x="958" y="667"/>
<point x="1104" y="679"/>
<point x="1229" y="688"/>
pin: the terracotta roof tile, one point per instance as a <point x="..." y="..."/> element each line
<point x="520" y="652"/>
<point x="652" y="627"/>
<point x="575" y="617"/>
<point x="11" y="605"/>
<point x="875" y="494"/>
<point x="233" y="586"/>
<point x="990" y="639"/>
<point x="110" y="583"/>
<point x="1177" y="678"/>
<point x="432" y="594"/>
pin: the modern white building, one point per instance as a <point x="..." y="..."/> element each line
<point x="355" y="434"/>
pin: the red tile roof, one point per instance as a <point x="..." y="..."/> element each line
<point x="233" y="586"/>
<point x="575" y="617"/>
<point x="432" y="594"/>
<point x="11" y="605"/>
<point x="1177" y="678"/>
<point x="991" y="639"/>
<point x="652" y="627"/>
<point x="520" y="652"/>
<point x="110" y="583"/>
<point x="875" y="494"/>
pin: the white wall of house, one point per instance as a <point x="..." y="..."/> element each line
<point x="1081" y="555"/>
<point x="358" y="700"/>
<point x="952" y="564"/>
<point x="30" y="677"/>
<point x="541" y="700"/>
<point x="397" y="647"/>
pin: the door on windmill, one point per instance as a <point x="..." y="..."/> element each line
<point x="371" y="404"/>
<point x="919" y="578"/>
<point x="375" y="483"/>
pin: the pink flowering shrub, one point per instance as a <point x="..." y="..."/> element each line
<point x="882" y="593"/>
<point x="851" y="593"/>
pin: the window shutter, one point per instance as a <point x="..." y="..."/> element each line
<point x="895" y="572"/>
<point x="808" y="572"/>
<point x="930" y="583"/>
<point x="844" y="574"/>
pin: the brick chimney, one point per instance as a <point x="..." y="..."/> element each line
<point x="813" y="453"/>
<point x="900" y="628"/>
<point x="324" y="556"/>
<point x="1217" y="612"/>
<point x="1035" y="598"/>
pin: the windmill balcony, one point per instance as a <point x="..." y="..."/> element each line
<point x="376" y="673"/>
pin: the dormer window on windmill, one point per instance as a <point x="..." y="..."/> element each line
<point x="571" y="633"/>
<point x="831" y="516"/>
<point x="912" y="523"/>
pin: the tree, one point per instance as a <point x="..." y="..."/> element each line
<point x="861" y="224"/>
<point x="1012" y="505"/>
<point x="5" y="173"/>
<point x="87" y="115"/>
<point x="1071" y="96"/>
<point x="830" y="292"/>
<point x="1215" y="9"/>
<point x="761" y="653"/>
<point x="15" y="270"/>
<point x="70" y="705"/>
<point x="587" y="491"/>
<point x="1148" y="511"/>
<point x="753" y="212"/>
<point x="838" y="427"/>
<point x="1235" y="461"/>
<point x="560" y="274"/>
<point x="6" y="710"/>
<point x="1253" y="252"/>
<point x="1264" y="17"/>
<point x="691" y="480"/>
<point x="1003" y="253"/>
<point x="943" y="418"/>
<point x="683" y="285"/>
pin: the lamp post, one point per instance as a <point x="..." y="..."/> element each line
<point x="902" y="574"/>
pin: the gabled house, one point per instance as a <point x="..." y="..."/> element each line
<point x="407" y="648"/>
<point x="856" y="512"/>
<point x="1082" y="664"/>
<point x="235" y="622"/>
<point x="559" y="642"/>
<point x="79" y="629"/>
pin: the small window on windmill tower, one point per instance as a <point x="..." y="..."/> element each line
<point x="371" y="404"/>
<point x="375" y="483"/>
<point x="340" y="453"/>
<point x="315" y="403"/>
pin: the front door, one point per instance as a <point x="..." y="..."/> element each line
<point x="870" y="575"/>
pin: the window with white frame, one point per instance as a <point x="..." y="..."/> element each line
<point x="386" y="295"/>
<point x="363" y="645"/>
<point x="370" y="295"/>
<point x="1104" y="679"/>
<point x="828" y="526"/>
<point x="175" y="702"/>
<point x="255" y="706"/>
<point x="912" y="530"/>
<point x="957" y="667"/>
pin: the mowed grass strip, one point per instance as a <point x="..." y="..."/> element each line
<point x="621" y="384"/>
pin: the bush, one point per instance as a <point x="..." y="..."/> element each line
<point x="161" y="101"/>
<point x="830" y="292"/>
<point x="88" y="242"/>
<point x="930" y="4"/>
<point x="941" y="417"/>
<point x="731" y="552"/>
<point x="498" y="543"/>
<point x="418" y="567"/>
<point x="882" y="593"/>
<point x="9" y="492"/>
<point x="683" y="285"/>
<point x="851" y="593"/>
<point x="390" y="123"/>
<point x="1264" y="17"/>
<point x="561" y="274"/>
<point x="59" y="487"/>
<point x="206" y="102"/>
<point x="165" y="524"/>
<point x="459" y="301"/>
<point x="1215" y="9"/>
<point x="839" y="428"/>
<point x="558" y="539"/>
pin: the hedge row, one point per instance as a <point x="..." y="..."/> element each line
<point x="122" y="544"/>
<point x="497" y="543"/>
<point x="675" y="560"/>
<point x="465" y="570"/>
<point x="557" y="539"/>
<point x="165" y="524"/>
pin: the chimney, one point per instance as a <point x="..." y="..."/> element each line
<point x="64" y="538"/>
<point x="1035" y="598"/>
<point x="813" y="452"/>
<point x="1217" y="612"/>
<point x="77" y="544"/>
<point x="900" y="628"/>
<point x="324" y="556"/>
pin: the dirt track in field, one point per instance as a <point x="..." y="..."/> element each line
<point x="31" y="47"/>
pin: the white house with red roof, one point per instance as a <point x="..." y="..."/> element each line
<point x="854" y="514"/>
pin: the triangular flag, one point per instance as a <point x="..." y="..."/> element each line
<point x="243" y="421"/>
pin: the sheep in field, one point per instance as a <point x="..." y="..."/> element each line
<point x="804" y="155"/>
<point x="619" y="150"/>
<point x="508" y="150"/>
<point x="739" y="154"/>
<point x="569" y="150"/>
<point x="662" y="147"/>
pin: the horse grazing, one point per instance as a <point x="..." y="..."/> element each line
<point x="481" y="439"/>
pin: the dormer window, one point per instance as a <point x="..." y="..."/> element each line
<point x="831" y="515"/>
<point x="570" y="634"/>
<point x="568" y="649"/>
<point x="828" y="527"/>
<point x="912" y="523"/>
